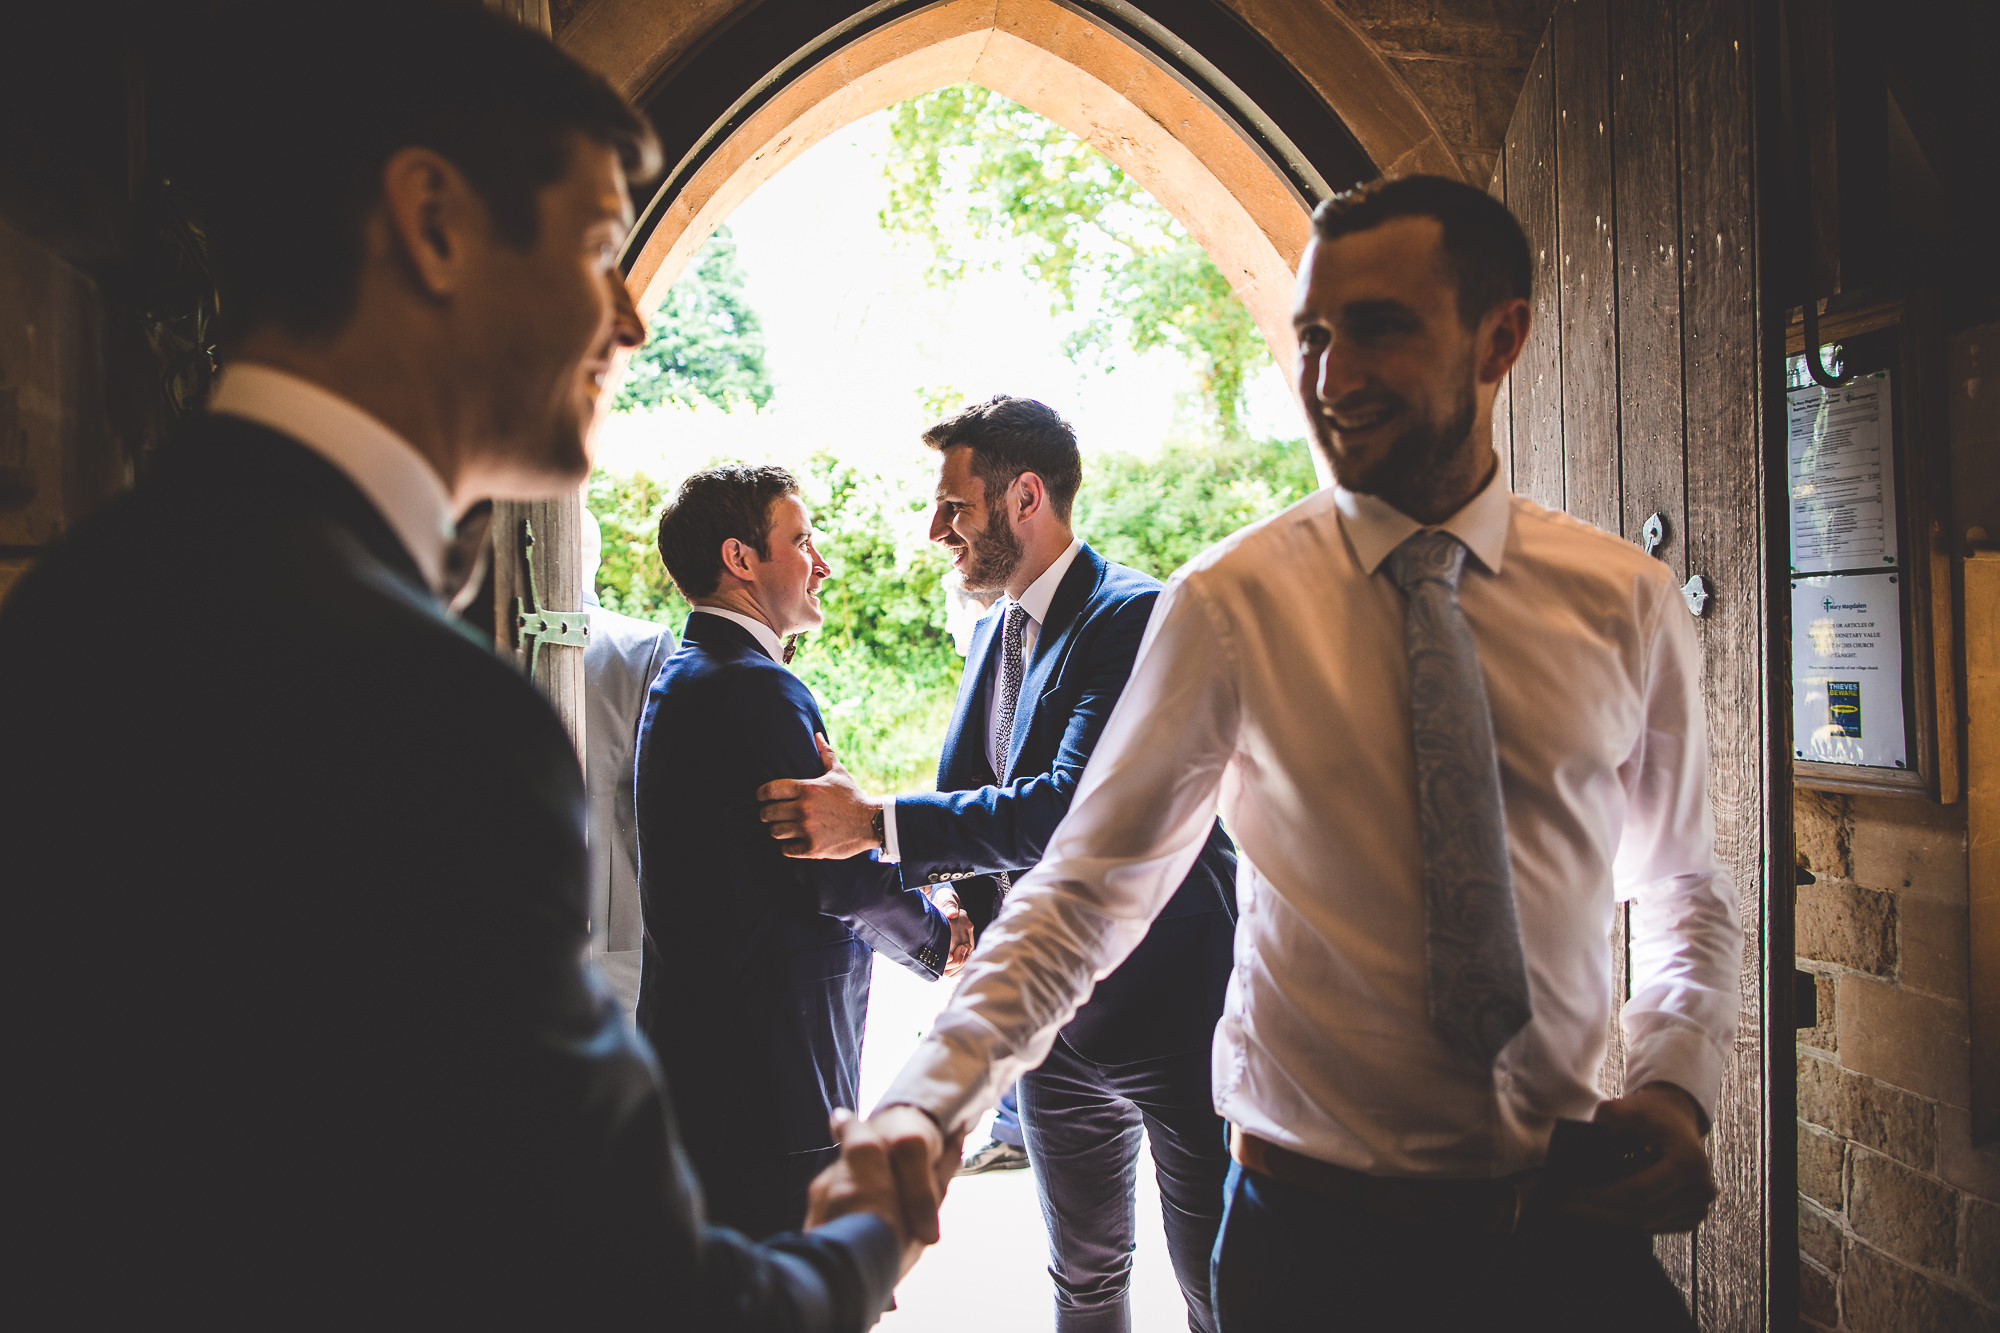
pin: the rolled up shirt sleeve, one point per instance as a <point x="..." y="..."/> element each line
<point x="1141" y="815"/>
<point x="1686" y="932"/>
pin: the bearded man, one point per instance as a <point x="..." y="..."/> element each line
<point x="1046" y="667"/>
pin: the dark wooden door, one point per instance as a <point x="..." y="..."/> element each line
<point x="1631" y="162"/>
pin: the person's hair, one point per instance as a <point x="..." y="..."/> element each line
<point x="1485" y="250"/>
<point x="1009" y="436"/>
<point x="712" y="506"/>
<point x="306" y="103"/>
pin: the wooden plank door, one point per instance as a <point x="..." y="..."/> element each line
<point x="1630" y="162"/>
<point x="549" y="565"/>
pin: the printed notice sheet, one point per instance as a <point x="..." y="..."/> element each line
<point x="1847" y="670"/>
<point x="1842" y="476"/>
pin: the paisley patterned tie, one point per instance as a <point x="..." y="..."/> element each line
<point x="1012" y="623"/>
<point x="1011" y="626"/>
<point x="1472" y="937"/>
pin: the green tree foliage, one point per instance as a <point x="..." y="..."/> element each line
<point x="705" y="344"/>
<point x="631" y="579"/>
<point x="1078" y="225"/>
<point x="1157" y="514"/>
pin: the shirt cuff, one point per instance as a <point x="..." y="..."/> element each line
<point x="891" y="853"/>
<point x="1679" y="1053"/>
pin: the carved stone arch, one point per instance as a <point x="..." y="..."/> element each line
<point x="1132" y="79"/>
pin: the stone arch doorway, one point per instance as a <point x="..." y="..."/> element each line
<point x="1188" y="99"/>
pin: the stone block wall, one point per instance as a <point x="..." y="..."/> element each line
<point x="1464" y="59"/>
<point x="1899" y="1215"/>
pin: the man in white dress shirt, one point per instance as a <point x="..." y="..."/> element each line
<point x="1437" y="811"/>
<point x="623" y="656"/>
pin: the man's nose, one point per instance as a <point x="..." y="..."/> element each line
<point x="626" y="326"/>
<point x="940" y="528"/>
<point x="1334" y="374"/>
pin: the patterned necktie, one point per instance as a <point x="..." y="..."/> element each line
<point x="1472" y="935"/>
<point x="1011" y="625"/>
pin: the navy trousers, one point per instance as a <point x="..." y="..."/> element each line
<point x="1083" y="1123"/>
<point x="1290" y="1261"/>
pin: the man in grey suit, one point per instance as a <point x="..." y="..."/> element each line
<point x="624" y="655"/>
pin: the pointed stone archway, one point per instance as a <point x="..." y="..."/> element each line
<point x="1136" y="81"/>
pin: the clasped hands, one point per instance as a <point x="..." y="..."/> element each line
<point x="1672" y="1193"/>
<point x="895" y="1165"/>
<point x="829" y="818"/>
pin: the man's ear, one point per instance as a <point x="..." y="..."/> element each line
<point x="736" y="557"/>
<point x="1030" y="494"/>
<point x="1502" y="335"/>
<point x="432" y="213"/>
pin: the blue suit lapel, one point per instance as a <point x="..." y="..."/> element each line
<point x="965" y="738"/>
<point x="1065" y="611"/>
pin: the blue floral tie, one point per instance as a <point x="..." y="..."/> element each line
<point x="1472" y="937"/>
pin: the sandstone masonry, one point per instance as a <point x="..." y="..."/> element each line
<point x="1899" y="1215"/>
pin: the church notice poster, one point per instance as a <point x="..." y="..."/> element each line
<point x="1847" y="670"/>
<point x="1842" y="476"/>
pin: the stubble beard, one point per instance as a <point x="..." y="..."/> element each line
<point x="1423" y="461"/>
<point x="992" y="557"/>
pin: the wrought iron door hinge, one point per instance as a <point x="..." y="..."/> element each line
<point x="535" y="624"/>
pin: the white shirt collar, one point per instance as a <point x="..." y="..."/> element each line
<point x="1376" y="527"/>
<point x="394" y="477"/>
<point x="767" y="639"/>
<point x="1035" y="600"/>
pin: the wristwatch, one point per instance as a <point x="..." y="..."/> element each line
<point x="880" y="826"/>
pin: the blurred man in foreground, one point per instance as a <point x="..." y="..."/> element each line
<point x="301" y="1035"/>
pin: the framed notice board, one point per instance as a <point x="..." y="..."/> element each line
<point x="1874" y="697"/>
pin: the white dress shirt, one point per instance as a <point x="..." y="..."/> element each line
<point x="383" y="466"/>
<point x="767" y="638"/>
<point x="1273" y="678"/>
<point x="1035" y="600"/>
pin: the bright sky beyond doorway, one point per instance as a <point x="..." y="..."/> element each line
<point x="853" y="332"/>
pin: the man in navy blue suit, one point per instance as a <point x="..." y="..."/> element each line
<point x="754" y="974"/>
<point x="1046" y="668"/>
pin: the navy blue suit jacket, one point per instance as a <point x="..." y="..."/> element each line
<point x="339" y="1053"/>
<point x="754" y="986"/>
<point x="1167" y="996"/>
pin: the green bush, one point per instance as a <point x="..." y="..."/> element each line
<point x="1157" y="514"/>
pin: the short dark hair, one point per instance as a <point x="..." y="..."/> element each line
<point x="305" y="103"/>
<point x="712" y="506"/>
<point x="1009" y="436"/>
<point x="1485" y="249"/>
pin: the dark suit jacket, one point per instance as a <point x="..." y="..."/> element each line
<point x="293" y="918"/>
<point x="756" y="967"/>
<point x="1167" y="996"/>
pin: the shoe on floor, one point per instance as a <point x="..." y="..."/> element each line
<point x="995" y="1156"/>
